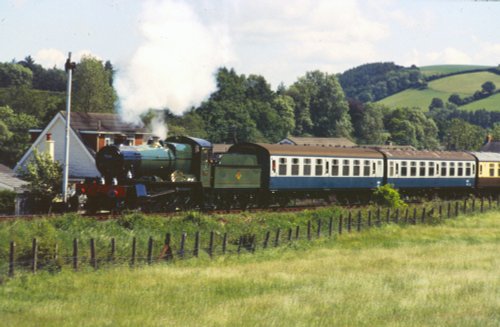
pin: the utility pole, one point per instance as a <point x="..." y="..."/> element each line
<point x="69" y="69"/>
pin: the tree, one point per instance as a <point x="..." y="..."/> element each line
<point x="436" y="103"/>
<point x="455" y="99"/>
<point x="45" y="180"/>
<point x="460" y="135"/>
<point x="412" y="127"/>
<point x="488" y="87"/>
<point x="371" y="129"/>
<point x="14" y="139"/>
<point x="320" y="96"/>
<point x="15" y="75"/>
<point x="92" y="91"/>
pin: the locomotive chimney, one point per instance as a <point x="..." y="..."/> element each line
<point x="49" y="146"/>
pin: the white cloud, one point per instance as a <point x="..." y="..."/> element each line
<point x="447" y="55"/>
<point x="51" y="57"/>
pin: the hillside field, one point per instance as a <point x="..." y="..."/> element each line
<point x="443" y="275"/>
<point x="448" y="69"/>
<point x="463" y="84"/>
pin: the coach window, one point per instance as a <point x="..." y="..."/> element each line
<point x="431" y="169"/>
<point x="307" y="167"/>
<point x="295" y="166"/>
<point x="444" y="166"/>
<point x="335" y="167"/>
<point x="460" y="169"/>
<point x="319" y="167"/>
<point x="366" y="168"/>
<point x="346" y="167"/>
<point x="492" y="169"/>
<point x="473" y="169"/>
<point x="357" y="168"/>
<point x="468" y="169"/>
<point x="452" y="169"/>
<point x="391" y="168"/>
<point x="282" y="167"/>
<point x="413" y="168"/>
<point x="498" y="169"/>
<point x="404" y="168"/>
<point x="327" y="167"/>
<point x="422" y="168"/>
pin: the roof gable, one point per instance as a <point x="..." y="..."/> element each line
<point x="103" y="122"/>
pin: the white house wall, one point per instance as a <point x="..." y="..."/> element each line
<point x="81" y="163"/>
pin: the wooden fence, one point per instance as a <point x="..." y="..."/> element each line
<point x="216" y="244"/>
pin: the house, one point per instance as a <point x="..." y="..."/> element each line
<point x="319" y="141"/>
<point x="88" y="134"/>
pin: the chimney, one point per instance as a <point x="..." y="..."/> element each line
<point x="49" y="146"/>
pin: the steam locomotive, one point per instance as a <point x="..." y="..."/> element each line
<point x="182" y="173"/>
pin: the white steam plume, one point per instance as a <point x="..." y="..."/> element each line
<point x="175" y="65"/>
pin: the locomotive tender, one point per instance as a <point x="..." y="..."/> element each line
<point x="182" y="173"/>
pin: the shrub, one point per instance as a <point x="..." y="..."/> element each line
<point x="7" y="199"/>
<point x="388" y="196"/>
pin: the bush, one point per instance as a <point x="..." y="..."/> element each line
<point x="7" y="202"/>
<point x="388" y="196"/>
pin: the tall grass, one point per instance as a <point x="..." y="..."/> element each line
<point x="444" y="275"/>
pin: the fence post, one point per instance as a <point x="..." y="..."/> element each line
<point x="358" y="227"/>
<point x="183" y="244"/>
<point x="378" y="217"/>
<point x="482" y="204"/>
<point x="134" y="251"/>
<point x="12" y="260"/>
<point x="240" y="242"/>
<point x="422" y="219"/>
<point x="474" y="205"/>
<point x="113" y="250"/>
<point x="456" y="209"/>
<point x="349" y="222"/>
<point x="297" y="232"/>
<point x="277" y="238"/>
<point x="396" y="219"/>
<point x="266" y="239"/>
<point x="414" y="215"/>
<point x="407" y="214"/>
<point x="290" y="234"/>
<point x="211" y="244"/>
<point x="340" y="224"/>
<point x="93" y="261"/>
<point x="318" y="234"/>
<point x="309" y="230"/>
<point x="330" y="227"/>
<point x="489" y="202"/>
<point x="224" y="243"/>
<point x="465" y="206"/>
<point x="150" y="250"/>
<point x="369" y="219"/>
<point x="449" y="210"/>
<point x="388" y="218"/>
<point x="75" y="254"/>
<point x="196" y="249"/>
<point x="169" y="254"/>
<point x="440" y="211"/>
<point x="34" y="251"/>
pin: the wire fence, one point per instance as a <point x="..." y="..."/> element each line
<point x="89" y="254"/>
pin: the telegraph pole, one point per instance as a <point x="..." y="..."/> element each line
<point x="69" y="69"/>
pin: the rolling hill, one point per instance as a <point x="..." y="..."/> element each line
<point x="464" y="84"/>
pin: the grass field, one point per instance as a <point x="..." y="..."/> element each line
<point x="490" y="103"/>
<point x="463" y="84"/>
<point x="445" y="275"/>
<point x="448" y="69"/>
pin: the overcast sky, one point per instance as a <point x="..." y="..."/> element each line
<point x="278" y="39"/>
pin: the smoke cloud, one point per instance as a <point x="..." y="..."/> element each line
<point x="175" y="65"/>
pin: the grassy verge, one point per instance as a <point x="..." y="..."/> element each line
<point x="444" y="275"/>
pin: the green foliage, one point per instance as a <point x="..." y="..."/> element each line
<point x="388" y="196"/>
<point x="92" y="91"/>
<point x="45" y="180"/>
<point x="488" y="87"/>
<point x="412" y="127"/>
<point x="7" y="199"/>
<point x="369" y="124"/>
<point x="15" y="75"/>
<point x="320" y="106"/>
<point x="460" y="135"/>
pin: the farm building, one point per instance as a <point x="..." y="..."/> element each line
<point x="89" y="133"/>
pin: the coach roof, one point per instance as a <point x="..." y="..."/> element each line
<point x="303" y="150"/>
<point x="427" y="155"/>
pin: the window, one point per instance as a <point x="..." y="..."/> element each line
<point x="460" y="169"/>
<point x="492" y="169"/>
<point x="130" y="140"/>
<point x="480" y="169"/>
<point x="404" y="168"/>
<point x="107" y="140"/>
<point x="468" y="169"/>
<point x="319" y="167"/>
<point x="452" y="169"/>
<point x="422" y="168"/>
<point x="444" y="165"/>
<point x="357" y="167"/>
<point x="498" y="169"/>
<point x="346" y="168"/>
<point x="327" y="167"/>
<point x="366" y="168"/>
<point x="307" y="167"/>
<point x="374" y="168"/>
<point x="413" y="168"/>
<point x="295" y="166"/>
<point x="391" y="168"/>
<point x="335" y="167"/>
<point x="273" y="166"/>
<point x="282" y="167"/>
<point x="431" y="169"/>
<point x="473" y="169"/>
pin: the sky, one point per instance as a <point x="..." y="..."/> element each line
<point x="167" y="51"/>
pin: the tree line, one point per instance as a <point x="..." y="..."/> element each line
<point x="246" y="108"/>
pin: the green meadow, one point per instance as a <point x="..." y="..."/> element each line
<point x="462" y="84"/>
<point x="449" y="69"/>
<point x="423" y="275"/>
